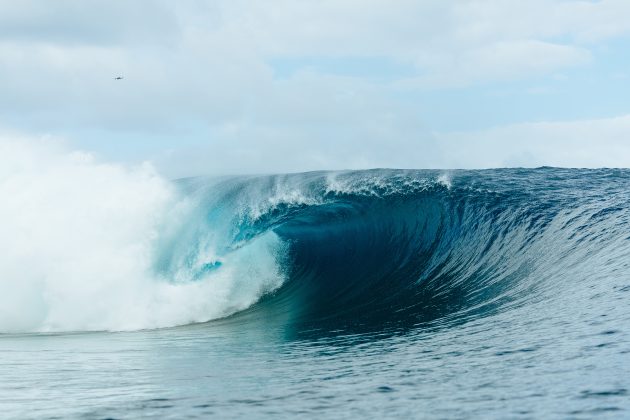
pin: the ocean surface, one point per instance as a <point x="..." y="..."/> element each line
<point x="486" y="294"/>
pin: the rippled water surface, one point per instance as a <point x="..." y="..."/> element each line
<point x="407" y="294"/>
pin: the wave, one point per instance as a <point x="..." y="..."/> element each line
<point x="95" y="246"/>
<point x="391" y="249"/>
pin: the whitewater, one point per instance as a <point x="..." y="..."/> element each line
<point x="499" y="293"/>
<point x="84" y="242"/>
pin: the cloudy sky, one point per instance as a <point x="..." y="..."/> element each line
<point x="233" y="86"/>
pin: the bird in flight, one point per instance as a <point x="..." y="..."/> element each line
<point x="118" y="78"/>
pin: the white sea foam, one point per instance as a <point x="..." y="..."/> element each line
<point x="378" y="184"/>
<point x="79" y="240"/>
<point x="445" y="179"/>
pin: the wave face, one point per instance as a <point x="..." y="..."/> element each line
<point x="391" y="249"/>
<point x="101" y="247"/>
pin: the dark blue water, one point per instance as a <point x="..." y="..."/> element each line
<point x="407" y="294"/>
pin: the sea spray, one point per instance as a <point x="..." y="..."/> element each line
<point x="81" y="241"/>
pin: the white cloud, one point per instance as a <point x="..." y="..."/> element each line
<point x="201" y="70"/>
<point x="76" y="22"/>
<point x="495" y="62"/>
<point x="215" y="48"/>
<point x="396" y="142"/>
<point x="587" y="143"/>
<point x="577" y="20"/>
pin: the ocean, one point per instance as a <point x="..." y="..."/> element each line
<point x="486" y="294"/>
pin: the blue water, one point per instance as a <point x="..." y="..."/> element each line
<point x="404" y="294"/>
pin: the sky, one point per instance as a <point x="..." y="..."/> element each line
<point x="235" y="86"/>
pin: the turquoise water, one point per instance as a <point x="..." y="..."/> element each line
<point x="415" y="294"/>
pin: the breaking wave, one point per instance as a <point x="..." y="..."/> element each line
<point x="93" y="246"/>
